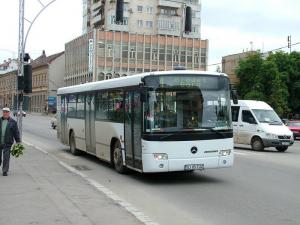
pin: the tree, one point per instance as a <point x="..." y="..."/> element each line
<point x="248" y="72"/>
<point x="262" y="80"/>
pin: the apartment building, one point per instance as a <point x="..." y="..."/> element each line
<point x="118" y="53"/>
<point x="47" y="77"/>
<point x="230" y="63"/>
<point x="164" y="17"/>
<point x="8" y="65"/>
<point x="8" y="88"/>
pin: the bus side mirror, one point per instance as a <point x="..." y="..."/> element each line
<point x="234" y="96"/>
<point x="143" y="93"/>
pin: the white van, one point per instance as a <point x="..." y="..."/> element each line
<point x="255" y="123"/>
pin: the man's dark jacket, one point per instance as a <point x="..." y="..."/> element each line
<point x="11" y="133"/>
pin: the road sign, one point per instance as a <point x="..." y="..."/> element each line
<point x="91" y="54"/>
<point x="51" y="100"/>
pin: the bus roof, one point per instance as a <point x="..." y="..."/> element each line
<point x="132" y="80"/>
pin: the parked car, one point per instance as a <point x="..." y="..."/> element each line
<point x="53" y="123"/>
<point x="294" y="126"/>
<point x="255" y="123"/>
<point x="17" y="113"/>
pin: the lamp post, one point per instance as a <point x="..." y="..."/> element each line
<point x="21" y="52"/>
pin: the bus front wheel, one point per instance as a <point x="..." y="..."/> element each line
<point x="73" y="149"/>
<point x="117" y="158"/>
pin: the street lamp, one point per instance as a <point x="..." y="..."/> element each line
<point x="21" y="51"/>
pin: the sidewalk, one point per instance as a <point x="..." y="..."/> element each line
<point x="38" y="190"/>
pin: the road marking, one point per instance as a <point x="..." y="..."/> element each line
<point x="248" y="153"/>
<point x="240" y="153"/>
<point x="139" y="215"/>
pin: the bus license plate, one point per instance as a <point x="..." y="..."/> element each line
<point x="285" y="143"/>
<point x="194" y="167"/>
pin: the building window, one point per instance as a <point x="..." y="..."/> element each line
<point x="109" y="52"/>
<point x="196" y="14"/>
<point x="140" y="8"/>
<point x="195" y="29"/>
<point x="154" y="54"/>
<point x="149" y="9"/>
<point x="132" y="53"/>
<point x="149" y="24"/>
<point x="168" y="12"/>
<point x="168" y="25"/>
<point x="196" y="57"/>
<point x="140" y="23"/>
<point x="113" y="20"/>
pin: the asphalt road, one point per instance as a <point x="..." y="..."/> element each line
<point x="263" y="188"/>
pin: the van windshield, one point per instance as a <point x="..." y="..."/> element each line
<point x="267" y="116"/>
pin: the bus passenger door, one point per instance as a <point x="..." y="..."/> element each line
<point x="132" y="132"/>
<point x="63" y="120"/>
<point x="90" y="124"/>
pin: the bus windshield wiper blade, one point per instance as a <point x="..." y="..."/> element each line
<point x="216" y="131"/>
<point x="166" y="136"/>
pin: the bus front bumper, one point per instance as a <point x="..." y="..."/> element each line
<point x="151" y="165"/>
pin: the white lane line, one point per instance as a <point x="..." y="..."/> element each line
<point x="139" y="215"/>
<point x="248" y="153"/>
<point x="240" y="153"/>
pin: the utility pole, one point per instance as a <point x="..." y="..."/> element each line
<point x="21" y="64"/>
<point x="289" y="39"/>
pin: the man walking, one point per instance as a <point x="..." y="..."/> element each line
<point x="8" y="133"/>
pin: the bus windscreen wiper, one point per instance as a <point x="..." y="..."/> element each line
<point x="216" y="131"/>
<point x="166" y="136"/>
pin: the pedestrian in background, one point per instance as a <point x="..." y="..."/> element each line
<point x="9" y="133"/>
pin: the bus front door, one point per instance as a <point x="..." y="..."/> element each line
<point x="133" y="129"/>
<point x="90" y="124"/>
<point x="63" y="120"/>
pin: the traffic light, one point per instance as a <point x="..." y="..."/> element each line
<point x="20" y="83"/>
<point x="27" y="78"/>
<point x="119" y="11"/>
<point x="188" y="20"/>
<point x="26" y="57"/>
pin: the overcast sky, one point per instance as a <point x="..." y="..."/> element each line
<point x="229" y="25"/>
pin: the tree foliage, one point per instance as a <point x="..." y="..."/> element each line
<point x="275" y="80"/>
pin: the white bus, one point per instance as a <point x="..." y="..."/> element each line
<point x="151" y="122"/>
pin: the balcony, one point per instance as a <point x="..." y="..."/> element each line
<point x="96" y="5"/>
<point x="169" y="4"/>
<point x="168" y="25"/>
<point x="96" y="19"/>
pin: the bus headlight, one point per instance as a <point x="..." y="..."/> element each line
<point x="160" y="156"/>
<point x="225" y="152"/>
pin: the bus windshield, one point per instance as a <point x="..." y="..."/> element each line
<point x="187" y="103"/>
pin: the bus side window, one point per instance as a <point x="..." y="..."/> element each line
<point x="101" y="106"/>
<point x="235" y="113"/>
<point x="80" y="106"/>
<point x="115" y="113"/>
<point x="71" y="106"/>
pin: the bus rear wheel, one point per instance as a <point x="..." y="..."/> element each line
<point x="73" y="149"/>
<point x="117" y="158"/>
